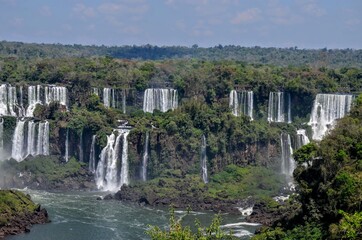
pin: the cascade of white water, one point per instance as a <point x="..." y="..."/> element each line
<point x="1" y="138"/>
<point x="203" y="159"/>
<point x="92" y="155"/>
<point x="124" y="167"/>
<point x="66" y="157"/>
<point x="81" y="159"/>
<point x="12" y="100"/>
<point x="33" y="99"/>
<point x="287" y="163"/>
<point x="145" y="158"/>
<point x="279" y="108"/>
<point x="21" y="103"/>
<point x="327" y="108"/>
<point x="56" y="94"/>
<point x="241" y="103"/>
<point x="32" y="147"/>
<point x="107" y="177"/>
<point x="43" y="138"/>
<point x="107" y="94"/>
<point x="160" y="99"/>
<point x="302" y="138"/>
<point x="8" y="100"/>
<point x="123" y="101"/>
<point x="17" y="152"/>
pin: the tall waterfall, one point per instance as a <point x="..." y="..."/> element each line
<point x="109" y="97"/>
<point x="18" y="141"/>
<point x="1" y="138"/>
<point x="34" y="93"/>
<point x="203" y="161"/>
<point x="287" y="164"/>
<point x="107" y="173"/>
<point x="279" y="107"/>
<point x="241" y="103"/>
<point x="32" y="147"/>
<point x="92" y="155"/>
<point x="81" y="159"/>
<point x="43" y="138"/>
<point x="8" y="100"/>
<point x="327" y="108"/>
<point x="160" y="98"/>
<point x="302" y="138"/>
<point x="66" y="157"/>
<point x="123" y="101"/>
<point x="145" y="158"/>
<point x="55" y="94"/>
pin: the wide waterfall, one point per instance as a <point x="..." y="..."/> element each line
<point x="108" y="175"/>
<point x="92" y="155"/>
<point x="145" y="158"/>
<point x="287" y="161"/>
<point x="18" y="141"/>
<point x="241" y="103"/>
<point x="327" y="108"/>
<point x="159" y="98"/>
<point x="56" y="94"/>
<point x="109" y="97"/>
<point x="203" y="160"/>
<point x="279" y="107"/>
<point x="33" y="142"/>
<point x="8" y="100"/>
<point x="302" y="138"/>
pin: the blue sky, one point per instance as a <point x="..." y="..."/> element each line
<point x="266" y="23"/>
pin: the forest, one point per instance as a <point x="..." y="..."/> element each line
<point x="243" y="151"/>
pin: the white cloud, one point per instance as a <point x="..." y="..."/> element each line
<point x="84" y="11"/>
<point x="45" y="11"/>
<point x="249" y="15"/>
<point x="311" y="7"/>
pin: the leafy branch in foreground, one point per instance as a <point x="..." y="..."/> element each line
<point x="177" y="231"/>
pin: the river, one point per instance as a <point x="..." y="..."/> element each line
<point x="78" y="216"/>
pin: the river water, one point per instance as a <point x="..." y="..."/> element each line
<point x="78" y="216"/>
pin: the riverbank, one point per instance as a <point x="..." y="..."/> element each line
<point x="18" y="213"/>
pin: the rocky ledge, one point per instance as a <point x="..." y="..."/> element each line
<point x="18" y="213"/>
<point x="134" y="195"/>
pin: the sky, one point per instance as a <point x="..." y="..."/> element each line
<point x="267" y="23"/>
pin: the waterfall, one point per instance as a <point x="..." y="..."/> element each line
<point x="33" y="99"/>
<point x="18" y="141"/>
<point x="145" y="158"/>
<point x="8" y="100"/>
<point x="287" y="161"/>
<point x="124" y="167"/>
<point x="55" y="94"/>
<point x="66" y="157"/>
<point x="302" y="138"/>
<point x="92" y="155"/>
<point x="123" y="101"/>
<point x="81" y="147"/>
<point x="241" y="103"/>
<point x="160" y="99"/>
<point x="203" y="159"/>
<point x="107" y="177"/>
<point x="109" y="97"/>
<point x="327" y="108"/>
<point x="279" y="108"/>
<point x="21" y="103"/>
<point x="32" y="147"/>
<point x="1" y="138"/>
<point x="43" y="138"/>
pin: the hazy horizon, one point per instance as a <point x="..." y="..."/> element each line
<point x="305" y="24"/>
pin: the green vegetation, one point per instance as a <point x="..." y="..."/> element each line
<point x="14" y="203"/>
<point x="177" y="231"/>
<point x="256" y="55"/>
<point x="330" y="187"/>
